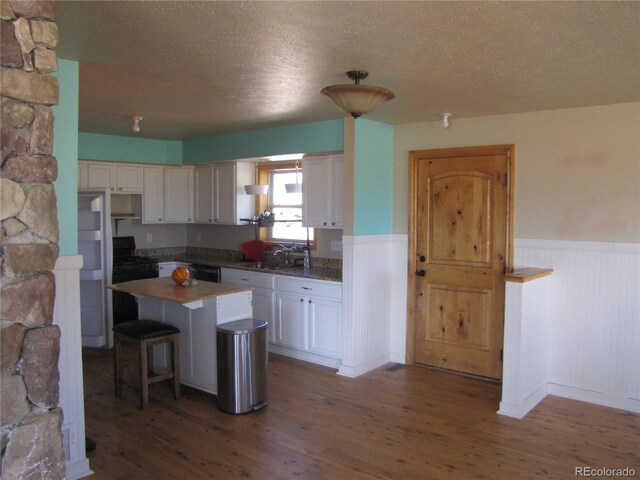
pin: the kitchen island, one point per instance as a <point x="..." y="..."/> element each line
<point x="196" y="311"/>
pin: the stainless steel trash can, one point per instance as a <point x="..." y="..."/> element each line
<point x="242" y="365"/>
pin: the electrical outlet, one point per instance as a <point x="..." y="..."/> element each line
<point x="199" y="237"/>
<point x="149" y="238"/>
<point x="336" y="245"/>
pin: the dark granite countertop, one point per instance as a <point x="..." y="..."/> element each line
<point x="316" y="273"/>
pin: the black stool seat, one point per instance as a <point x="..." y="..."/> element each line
<point x="145" y="329"/>
<point x="141" y="336"/>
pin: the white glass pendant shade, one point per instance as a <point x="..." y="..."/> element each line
<point x="293" y="187"/>
<point x="357" y="100"/>
<point x="256" y="189"/>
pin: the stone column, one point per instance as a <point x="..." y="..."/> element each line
<point x="31" y="437"/>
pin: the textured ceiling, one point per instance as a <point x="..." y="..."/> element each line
<point x="203" y="68"/>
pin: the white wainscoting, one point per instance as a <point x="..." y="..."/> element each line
<point x="526" y="346"/>
<point x="593" y="321"/>
<point x="374" y="302"/>
<point x="66" y="315"/>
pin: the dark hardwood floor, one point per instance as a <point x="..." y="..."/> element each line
<point x="393" y="423"/>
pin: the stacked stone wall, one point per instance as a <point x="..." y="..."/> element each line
<point x="31" y="438"/>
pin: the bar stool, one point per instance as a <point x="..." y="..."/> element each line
<point x="141" y="335"/>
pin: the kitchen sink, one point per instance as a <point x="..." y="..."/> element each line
<point x="262" y="266"/>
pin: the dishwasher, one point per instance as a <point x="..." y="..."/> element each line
<point x="205" y="273"/>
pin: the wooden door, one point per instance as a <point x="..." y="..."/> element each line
<point x="459" y="253"/>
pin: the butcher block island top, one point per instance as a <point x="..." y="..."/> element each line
<point x="164" y="288"/>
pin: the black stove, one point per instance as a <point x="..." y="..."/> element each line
<point x="128" y="266"/>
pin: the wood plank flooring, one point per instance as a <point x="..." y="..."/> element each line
<point x="393" y="423"/>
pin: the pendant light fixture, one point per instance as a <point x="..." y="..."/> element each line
<point x="256" y="188"/>
<point x="294" y="187"/>
<point x="356" y="99"/>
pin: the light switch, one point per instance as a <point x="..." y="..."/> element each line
<point x="336" y="245"/>
<point x="149" y="238"/>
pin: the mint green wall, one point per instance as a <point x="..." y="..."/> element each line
<point x="93" y="146"/>
<point x="327" y="136"/>
<point x="373" y="172"/>
<point x="65" y="149"/>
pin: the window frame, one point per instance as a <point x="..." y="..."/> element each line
<point x="262" y="203"/>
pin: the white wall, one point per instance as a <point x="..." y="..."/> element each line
<point x="577" y="169"/>
<point x="162" y="235"/>
<point x="578" y="205"/>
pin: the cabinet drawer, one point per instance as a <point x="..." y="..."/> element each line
<point x="302" y="286"/>
<point x="252" y="279"/>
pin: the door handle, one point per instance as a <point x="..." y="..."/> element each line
<point x="421" y="273"/>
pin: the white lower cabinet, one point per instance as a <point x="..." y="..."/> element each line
<point x="325" y="326"/>
<point x="305" y="316"/>
<point x="292" y="319"/>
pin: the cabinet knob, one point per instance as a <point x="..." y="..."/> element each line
<point x="309" y="301"/>
<point x="188" y="219"/>
<point x="333" y="223"/>
<point x="302" y="299"/>
<point x="159" y="219"/>
<point x="324" y="223"/>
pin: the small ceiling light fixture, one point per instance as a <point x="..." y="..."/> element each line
<point x="356" y="99"/>
<point x="136" y="122"/>
<point x="445" y="119"/>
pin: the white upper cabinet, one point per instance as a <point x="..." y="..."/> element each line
<point x="83" y="174"/>
<point x="128" y="179"/>
<point x="203" y="194"/>
<point x="219" y="193"/>
<point x="323" y="192"/>
<point x="178" y="194"/>
<point x="116" y="177"/>
<point x="153" y="197"/>
<point x="101" y="175"/>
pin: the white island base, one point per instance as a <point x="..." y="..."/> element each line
<point x="197" y="322"/>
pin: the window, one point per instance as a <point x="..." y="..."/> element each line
<point x="284" y="205"/>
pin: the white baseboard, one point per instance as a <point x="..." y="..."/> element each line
<point x="79" y="469"/>
<point x="598" y="398"/>
<point x="355" y="371"/>
<point x="306" y="356"/>
<point x="519" y="410"/>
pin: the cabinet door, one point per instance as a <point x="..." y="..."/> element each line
<point x="178" y="195"/>
<point x="83" y="174"/>
<point x="224" y="191"/>
<point x="153" y="196"/>
<point x="102" y="175"/>
<point x="325" y="327"/>
<point x="291" y="316"/>
<point x="129" y="179"/>
<point x="315" y="191"/>
<point x="203" y="194"/>
<point x="262" y="303"/>
<point x="337" y="192"/>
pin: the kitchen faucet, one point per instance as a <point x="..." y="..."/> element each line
<point x="285" y="255"/>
